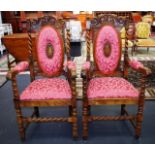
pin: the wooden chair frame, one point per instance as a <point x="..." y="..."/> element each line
<point x="118" y="19"/>
<point x="88" y="74"/>
<point x="69" y="74"/>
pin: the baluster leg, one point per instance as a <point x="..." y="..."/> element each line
<point x="20" y="121"/>
<point x="85" y="123"/>
<point x="74" y="123"/>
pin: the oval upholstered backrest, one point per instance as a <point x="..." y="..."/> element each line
<point x="107" y="49"/>
<point x="50" y="51"/>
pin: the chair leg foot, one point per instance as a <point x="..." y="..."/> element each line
<point x="138" y="125"/>
<point x="75" y="137"/>
<point x="22" y="137"/>
<point x="85" y="123"/>
<point x="139" y="119"/>
<point x="137" y="136"/>
<point x="75" y="131"/>
<point x="20" y="122"/>
<point x="138" y="130"/>
<point x="21" y="131"/>
<point x="74" y="123"/>
<point x="84" y="137"/>
<point x="85" y="130"/>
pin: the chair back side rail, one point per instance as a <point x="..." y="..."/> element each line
<point x="118" y="22"/>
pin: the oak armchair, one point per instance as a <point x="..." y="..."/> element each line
<point x="105" y="81"/>
<point x="48" y="62"/>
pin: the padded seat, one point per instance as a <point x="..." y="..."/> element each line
<point x="145" y="42"/>
<point x="42" y="89"/>
<point x="111" y="87"/>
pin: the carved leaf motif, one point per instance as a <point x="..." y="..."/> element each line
<point x="107" y="49"/>
<point x="49" y="50"/>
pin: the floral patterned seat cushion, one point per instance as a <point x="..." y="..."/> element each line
<point x="146" y="42"/>
<point x="143" y="30"/>
<point x="42" y="89"/>
<point x="111" y="87"/>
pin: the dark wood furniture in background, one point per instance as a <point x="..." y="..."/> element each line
<point x="12" y="17"/>
<point x="118" y="13"/>
<point x="16" y="17"/>
<point x="17" y="45"/>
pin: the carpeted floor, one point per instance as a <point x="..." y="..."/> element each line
<point x="3" y="80"/>
<point x="104" y="132"/>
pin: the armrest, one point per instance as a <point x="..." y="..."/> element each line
<point x="86" y="70"/>
<point x="20" y="67"/>
<point x="138" y="66"/>
<point x="86" y="65"/>
<point x="70" y="73"/>
<point x="71" y="67"/>
<point x="69" y="64"/>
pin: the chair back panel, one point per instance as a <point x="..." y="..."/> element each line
<point x="143" y="30"/>
<point x="50" y="51"/>
<point x="107" y="49"/>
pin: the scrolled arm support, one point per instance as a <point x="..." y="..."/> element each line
<point x="20" y="67"/>
<point x="138" y="66"/>
<point x="11" y="75"/>
<point x="70" y="70"/>
<point x="86" y="75"/>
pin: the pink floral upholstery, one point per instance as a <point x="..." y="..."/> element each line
<point x="21" y="66"/>
<point x="136" y="64"/>
<point x="70" y="64"/>
<point x="111" y="87"/>
<point x="107" y="64"/>
<point x="86" y="65"/>
<point x="41" y="89"/>
<point x="50" y="66"/>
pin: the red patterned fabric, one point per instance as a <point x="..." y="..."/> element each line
<point x="136" y="64"/>
<point x="111" y="87"/>
<point x="107" y="65"/>
<point x="86" y="65"/>
<point x="41" y="89"/>
<point x="21" y="66"/>
<point x="50" y="66"/>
